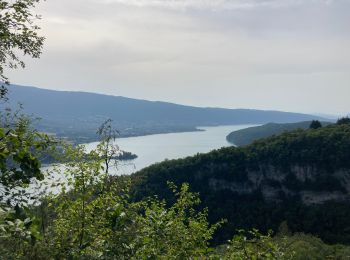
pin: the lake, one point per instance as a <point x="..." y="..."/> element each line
<point x="149" y="149"/>
<point x="157" y="148"/>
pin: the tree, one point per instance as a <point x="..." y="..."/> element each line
<point x="20" y="149"/>
<point x="19" y="143"/>
<point x="107" y="148"/>
<point x="343" y="121"/>
<point x="254" y="245"/>
<point x="96" y="219"/>
<point x="315" y="124"/>
<point x="18" y="32"/>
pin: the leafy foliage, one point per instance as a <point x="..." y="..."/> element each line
<point x="255" y="245"/>
<point x="20" y="147"/>
<point x="107" y="147"/>
<point x="95" y="219"/>
<point x="18" y="31"/>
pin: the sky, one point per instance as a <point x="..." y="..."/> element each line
<point x="290" y="55"/>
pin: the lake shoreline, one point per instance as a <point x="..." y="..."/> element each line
<point x="86" y="140"/>
<point x="167" y="146"/>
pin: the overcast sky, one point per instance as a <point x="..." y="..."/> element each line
<point x="290" y="55"/>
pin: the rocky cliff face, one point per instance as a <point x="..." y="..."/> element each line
<point x="298" y="181"/>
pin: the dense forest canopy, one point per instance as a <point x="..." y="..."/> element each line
<point x="301" y="177"/>
<point x="249" y="135"/>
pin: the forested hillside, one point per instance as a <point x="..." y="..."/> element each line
<point x="301" y="178"/>
<point x="249" y="135"/>
<point x="77" y="115"/>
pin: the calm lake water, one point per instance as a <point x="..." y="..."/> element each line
<point x="157" y="148"/>
<point x="150" y="149"/>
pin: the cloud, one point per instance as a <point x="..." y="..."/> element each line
<point x="215" y="4"/>
<point x="193" y="51"/>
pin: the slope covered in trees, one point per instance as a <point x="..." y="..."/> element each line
<point x="77" y="115"/>
<point x="300" y="177"/>
<point x="251" y="134"/>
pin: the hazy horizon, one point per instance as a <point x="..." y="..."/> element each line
<point x="287" y="55"/>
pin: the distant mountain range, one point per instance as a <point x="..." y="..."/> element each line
<point x="77" y="115"/>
